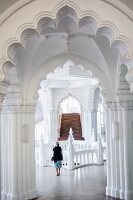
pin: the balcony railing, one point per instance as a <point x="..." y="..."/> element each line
<point x="75" y="153"/>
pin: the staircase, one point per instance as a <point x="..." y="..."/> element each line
<point x="71" y="120"/>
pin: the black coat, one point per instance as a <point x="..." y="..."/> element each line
<point x="57" y="153"/>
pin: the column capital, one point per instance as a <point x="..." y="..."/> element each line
<point x="112" y="105"/>
<point x="128" y="105"/>
<point x="87" y="109"/>
<point x="90" y="106"/>
<point x="19" y="108"/>
<point x="1" y="100"/>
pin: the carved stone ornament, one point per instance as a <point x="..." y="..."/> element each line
<point x="19" y="108"/>
<point x="128" y="105"/>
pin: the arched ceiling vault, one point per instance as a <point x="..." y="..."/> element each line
<point x="50" y="38"/>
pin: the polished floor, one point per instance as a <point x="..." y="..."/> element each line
<point x="86" y="183"/>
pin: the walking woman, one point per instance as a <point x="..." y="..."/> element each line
<point x="58" y="158"/>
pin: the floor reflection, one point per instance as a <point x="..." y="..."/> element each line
<point x="86" y="183"/>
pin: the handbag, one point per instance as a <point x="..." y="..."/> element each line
<point x="52" y="159"/>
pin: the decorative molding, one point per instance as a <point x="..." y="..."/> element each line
<point x="127" y="105"/>
<point x="124" y="92"/>
<point x="3" y="88"/>
<point x="67" y="73"/>
<point x="19" y="108"/>
<point x="1" y="100"/>
<point x="22" y="3"/>
<point x="12" y="50"/>
<point x="121" y="7"/>
<point x="11" y="10"/>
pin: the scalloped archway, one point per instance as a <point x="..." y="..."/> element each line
<point x="25" y="54"/>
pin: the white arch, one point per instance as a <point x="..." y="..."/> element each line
<point x="66" y="97"/>
<point x="42" y="71"/>
<point x="52" y="15"/>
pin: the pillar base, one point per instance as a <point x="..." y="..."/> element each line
<point x="23" y="196"/>
<point x="128" y="195"/>
<point x="112" y="192"/>
<point x="13" y="197"/>
<point x="108" y="192"/>
<point x="32" y="194"/>
<point x="115" y="193"/>
<point x="122" y="196"/>
<point x="3" y="195"/>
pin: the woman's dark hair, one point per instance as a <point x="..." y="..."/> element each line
<point x="57" y="143"/>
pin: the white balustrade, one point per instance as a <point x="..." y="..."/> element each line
<point x="75" y="153"/>
<point x="85" y="157"/>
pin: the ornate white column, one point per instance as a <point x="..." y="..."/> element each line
<point x="45" y="96"/>
<point x="89" y="122"/>
<point x="121" y="150"/>
<point x="119" y="118"/>
<point x="42" y="156"/>
<point x="99" y="152"/>
<point x="86" y="133"/>
<point x="94" y="121"/>
<point x="84" y="124"/>
<point x="49" y="123"/>
<point x="113" y="167"/>
<point x="0" y="147"/>
<point x="127" y="115"/>
<point x="18" y="151"/>
<point x="29" y="150"/>
<point x="108" y="148"/>
<point x="55" y="126"/>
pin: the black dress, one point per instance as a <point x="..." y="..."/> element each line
<point x="57" y="153"/>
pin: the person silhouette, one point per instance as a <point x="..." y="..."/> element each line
<point x="57" y="158"/>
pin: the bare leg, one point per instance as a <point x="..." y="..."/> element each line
<point x="57" y="171"/>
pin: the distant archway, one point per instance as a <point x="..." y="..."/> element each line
<point x="70" y="116"/>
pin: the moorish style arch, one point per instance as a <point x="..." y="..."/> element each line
<point x="28" y="53"/>
<point x="25" y="32"/>
<point x="107" y="30"/>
